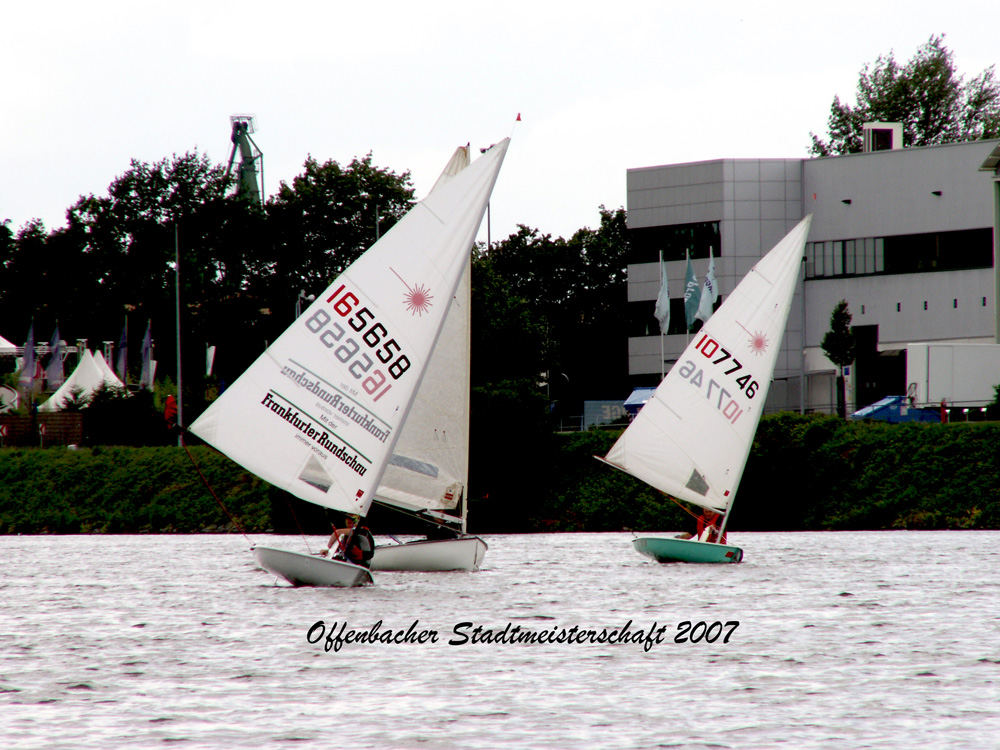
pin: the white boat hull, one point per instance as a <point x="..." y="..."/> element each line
<point x="461" y="553"/>
<point x="300" y="569"/>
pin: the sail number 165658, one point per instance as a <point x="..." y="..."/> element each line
<point x="346" y="348"/>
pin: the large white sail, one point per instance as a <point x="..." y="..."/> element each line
<point x="692" y="438"/>
<point x="320" y="410"/>
<point x="429" y="466"/>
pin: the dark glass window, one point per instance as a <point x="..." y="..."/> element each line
<point x="647" y="242"/>
<point x="940" y="251"/>
<point x="906" y="253"/>
<point x="642" y="323"/>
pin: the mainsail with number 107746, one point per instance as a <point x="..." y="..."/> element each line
<point x="693" y="436"/>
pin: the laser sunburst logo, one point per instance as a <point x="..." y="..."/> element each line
<point x="417" y="298"/>
<point x="758" y="342"/>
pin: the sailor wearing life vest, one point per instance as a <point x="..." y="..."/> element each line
<point x="353" y="543"/>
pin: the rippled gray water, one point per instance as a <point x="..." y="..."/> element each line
<point x="844" y="640"/>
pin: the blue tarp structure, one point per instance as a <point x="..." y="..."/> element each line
<point x="635" y="401"/>
<point x="896" y="409"/>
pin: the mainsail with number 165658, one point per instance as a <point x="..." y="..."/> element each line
<point x="318" y="413"/>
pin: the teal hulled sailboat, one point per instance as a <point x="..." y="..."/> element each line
<point x="692" y="438"/>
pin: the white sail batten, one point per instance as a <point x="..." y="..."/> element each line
<point x="320" y="411"/>
<point x="429" y="467"/>
<point x="692" y="438"/>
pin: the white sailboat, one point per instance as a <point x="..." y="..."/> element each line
<point x="320" y="411"/>
<point x="692" y="438"/>
<point x="427" y="475"/>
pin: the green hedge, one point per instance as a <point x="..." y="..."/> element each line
<point x="120" y="489"/>
<point x="823" y="473"/>
<point x="804" y="473"/>
<point x="811" y="473"/>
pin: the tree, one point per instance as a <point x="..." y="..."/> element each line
<point x="932" y="101"/>
<point x="546" y="333"/>
<point x="329" y="216"/>
<point x="572" y="296"/>
<point x="838" y="345"/>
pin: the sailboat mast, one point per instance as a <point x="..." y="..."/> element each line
<point x="725" y="520"/>
<point x="177" y="312"/>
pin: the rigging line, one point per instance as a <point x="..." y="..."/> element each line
<point x="211" y="490"/>
<point x="302" y="533"/>
<point x="676" y="502"/>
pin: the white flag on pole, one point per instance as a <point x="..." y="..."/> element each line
<point x="709" y="291"/>
<point x="662" y="310"/>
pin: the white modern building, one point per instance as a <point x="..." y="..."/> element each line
<point x="907" y="236"/>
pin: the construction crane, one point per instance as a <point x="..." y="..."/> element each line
<point x="251" y="159"/>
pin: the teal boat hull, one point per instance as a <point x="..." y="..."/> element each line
<point x="669" y="549"/>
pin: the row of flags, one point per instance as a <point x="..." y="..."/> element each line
<point x="54" y="374"/>
<point x="698" y="301"/>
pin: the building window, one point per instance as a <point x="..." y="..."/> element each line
<point x="646" y="243"/>
<point x="642" y="323"/>
<point x="910" y="253"/>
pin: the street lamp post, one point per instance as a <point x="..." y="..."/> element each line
<point x="298" y="302"/>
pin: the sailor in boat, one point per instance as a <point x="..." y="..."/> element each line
<point x="353" y="543"/>
<point x="708" y="527"/>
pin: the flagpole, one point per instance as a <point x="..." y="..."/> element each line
<point x="177" y="297"/>
<point x="663" y="373"/>
<point x="662" y="367"/>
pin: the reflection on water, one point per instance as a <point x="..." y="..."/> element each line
<point x="855" y="640"/>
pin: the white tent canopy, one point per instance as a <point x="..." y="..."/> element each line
<point x="90" y="374"/>
<point x="6" y="347"/>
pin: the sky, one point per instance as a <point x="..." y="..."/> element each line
<point x="601" y="87"/>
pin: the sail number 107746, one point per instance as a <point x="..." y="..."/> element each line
<point x="347" y="349"/>
<point x="726" y="369"/>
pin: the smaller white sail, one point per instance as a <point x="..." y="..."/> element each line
<point x="693" y="436"/>
<point x="429" y="466"/>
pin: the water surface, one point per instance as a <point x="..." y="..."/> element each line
<point x="845" y="640"/>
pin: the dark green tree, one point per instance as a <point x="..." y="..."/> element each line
<point x="574" y="291"/>
<point x="328" y="216"/>
<point x="838" y="345"/>
<point x="927" y="95"/>
<point x="546" y="334"/>
<point x="993" y="409"/>
<point x="132" y="235"/>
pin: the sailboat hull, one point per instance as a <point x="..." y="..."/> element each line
<point x="311" y="570"/>
<point x="668" y="549"/>
<point x="462" y="553"/>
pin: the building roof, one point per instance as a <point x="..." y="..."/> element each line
<point x="992" y="161"/>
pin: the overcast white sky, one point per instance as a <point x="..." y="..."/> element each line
<point x="601" y="87"/>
